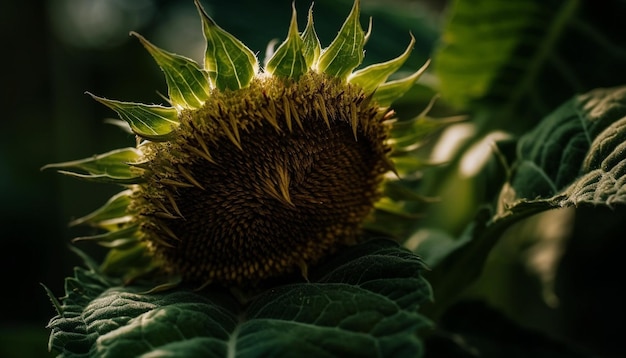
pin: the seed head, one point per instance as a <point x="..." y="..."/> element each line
<point x="249" y="174"/>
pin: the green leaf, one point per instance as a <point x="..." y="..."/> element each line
<point x="390" y="91"/>
<point x="112" y="213"/>
<point x="345" y="53"/>
<point x="371" y="77"/>
<point x="574" y="158"/>
<point x="311" y="47"/>
<point x="576" y="155"/>
<point x="188" y="84"/>
<point x="152" y="122"/>
<point x="526" y="57"/>
<point x="361" y="302"/>
<point x="110" y="167"/>
<point x="231" y="65"/>
<point x="467" y="63"/>
<point x="288" y="60"/>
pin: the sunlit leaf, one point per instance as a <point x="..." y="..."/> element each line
<point x="345" y="53"/>
<point x="311" y="44"/>
<point x="288" y="60"/>
<point x="230" y="64"/>
<point x="111" y="167"/>
<point x="188" y="84"/>
<point x="388" y="92"/>
<point x="371" y="77"/>
<point x="152" y="122"/>
<point x="362" y="302"/>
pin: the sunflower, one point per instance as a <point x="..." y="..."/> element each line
<point x="252" y="173"/>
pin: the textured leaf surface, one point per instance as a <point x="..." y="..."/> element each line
<point x="577" y="155"/>
<point x="362" y="302"/>
<point x="345" y="53"/>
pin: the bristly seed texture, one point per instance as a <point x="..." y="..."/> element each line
<point x="264" y="180"/>
<point x="254" y="173"/>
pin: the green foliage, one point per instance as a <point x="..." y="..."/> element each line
<point x="362" y="302"/>
<point x="521" y="59"/>
<point x="576" y="155"/>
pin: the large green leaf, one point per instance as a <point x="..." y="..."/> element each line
<point x="575" y="157"/>
<point x="525" y="57"/>
<point x="362" y="302"/>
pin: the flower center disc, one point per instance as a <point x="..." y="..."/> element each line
<point x="264" y="180"/>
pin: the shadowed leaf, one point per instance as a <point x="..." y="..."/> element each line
<point x="362" y="302"/>
<point x="113" y="212"/>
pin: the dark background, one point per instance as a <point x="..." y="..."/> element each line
<point x="53" y="51"/>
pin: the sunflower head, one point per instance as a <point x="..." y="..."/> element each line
<point x="249" y="173"/>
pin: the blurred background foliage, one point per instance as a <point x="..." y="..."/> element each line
<point x="55" y="50"/>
